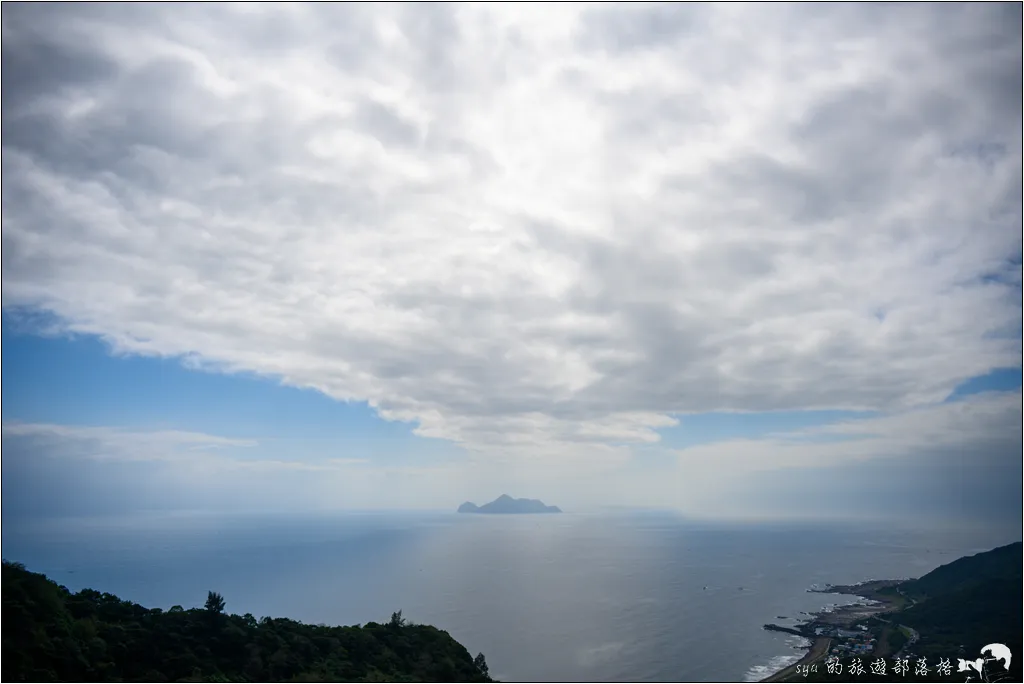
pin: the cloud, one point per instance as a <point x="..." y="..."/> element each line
<point x="957" y="462"/>
<point x="106" y="442"/>
<point x="82" y="470"/>
<point x="976" y="428"/>
<point x="531" y="233"/>
<point x="199" y="452"/>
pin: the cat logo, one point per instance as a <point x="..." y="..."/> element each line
<point x="998" y="652"/>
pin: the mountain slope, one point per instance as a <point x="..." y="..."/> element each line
<point x="1003" y="563"/>
<point x="958" y="608"/>
<point x="971" y="602"/>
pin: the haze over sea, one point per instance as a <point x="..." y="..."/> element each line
<point x="737" y="261"/>
<point x="570" y="597"/>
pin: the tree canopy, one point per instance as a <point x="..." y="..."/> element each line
<point x="51" y="634"/>
<point x="215" y="602"/>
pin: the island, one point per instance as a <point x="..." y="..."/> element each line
<point x="506" y="504"/>
<point x="54" y="635"/>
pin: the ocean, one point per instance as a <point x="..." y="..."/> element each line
<point x="623" y="597"/>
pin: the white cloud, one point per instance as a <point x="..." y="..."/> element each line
<point x="101" y="442"/>
<point x="973" y="445"/>
<point x="967" y="425"/>
<point x="204" y="471"/>
<point x="934" y="457"/>
<point x="534" y="234"/>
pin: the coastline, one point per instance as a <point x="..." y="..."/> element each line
<point x="840" y="617"/>
<point x="817" y="650"/>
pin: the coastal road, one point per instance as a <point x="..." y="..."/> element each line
<point x="905" y="597"/>
<point x="817" y="651"/>
<point x="914" y="636"/>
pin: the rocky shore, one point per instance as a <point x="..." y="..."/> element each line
<point x="823" y="626"/>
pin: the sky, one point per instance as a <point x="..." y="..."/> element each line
<point x="734" y="260"/>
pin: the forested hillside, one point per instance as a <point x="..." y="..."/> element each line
<point x="955" y="610"/>
<point x="50" y="634"/>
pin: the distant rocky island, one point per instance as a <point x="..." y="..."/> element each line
<point x="506" y="504"/>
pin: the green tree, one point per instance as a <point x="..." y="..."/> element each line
<point x="481" y="664"/>
<point x="214" y="602"/>
<point x="55" y="635"/>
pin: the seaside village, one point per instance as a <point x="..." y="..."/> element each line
<point x="853" y="641"/>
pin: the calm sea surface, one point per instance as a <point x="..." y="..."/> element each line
<point x="545" y="598"/>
